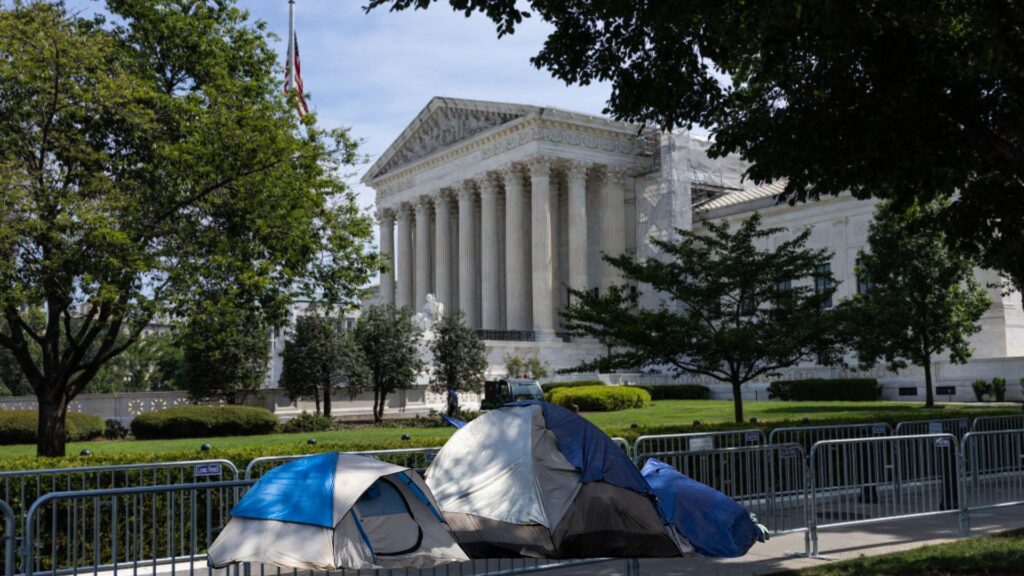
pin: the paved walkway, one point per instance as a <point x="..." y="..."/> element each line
<point x="776" y="555"/>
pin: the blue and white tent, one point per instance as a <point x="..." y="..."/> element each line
<point x="713" y="523"/>
<point x="533" y="479"/>
<point x="335" y="510"/>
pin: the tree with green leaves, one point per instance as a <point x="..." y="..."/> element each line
<point x="226" y="355"/>
<point x="730" y="311"/>
<point x="390" y="345"/>
<point x="920" y="298"/>
<point x="153" y="362"/>
<point x="826" y="94"/>
<point x="460" y="357"/>
<point x="150" y="164"/>
<point x="320" y="356"/>
<point x="529" y="366"/>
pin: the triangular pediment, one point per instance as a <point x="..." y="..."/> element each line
<point x="443" y="123"/>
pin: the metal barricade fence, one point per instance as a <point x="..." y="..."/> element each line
<point x="126" y="529"/>
<point x="866" y="480"/>
<point x="170" y="528"/>
<point x="415" y="458"/>
<point x="624" y="444"/>
<point x="21" y="488"/>
<point x="769" y="481"/>
<point x="992" y="423"/>
<point x="994" y="468"/>
<point x="807" y="436"/>
<point x="663" y="443"/>
<point x="7" y="539"/>
<point x="955" y="426"/>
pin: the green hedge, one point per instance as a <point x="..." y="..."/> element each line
<point x="600" y="398"/>
<point x="676" y="391"/>
<point x="572" y="384"/>
<point x="823" y="389"/>
<point x="307" y="422"/>
<point x="203" y="421"/>
<point x="19" y="426"/>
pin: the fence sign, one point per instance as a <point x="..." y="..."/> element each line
<point x="935" y="427"/>
<point x="789" y="452"/>
<point x="753" y="437"/>
<point x="204" y="470"/>
<point x="942" y="442"/>
<point x="879" y="430"/>
<point x="702" y="443"/>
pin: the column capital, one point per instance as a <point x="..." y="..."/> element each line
<point x="443" y="195"/>
<point x="615" y="174"/>
<point x="465" y="190"/>
<point x="385" y="214"/>
<point x="576" y="168"/>
<point x="513" y="173"/>
<point x="487" y="183"/>
<point x="404" y="210"/>
<point x="540" y="165"/>
<point x="424" y="202"/>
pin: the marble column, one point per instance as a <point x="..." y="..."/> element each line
<point x="613" y="222"/>
<point x="442" y="249"/>
<point x="576" y="175"/>
<point x="517" y="252"/>
<point x="490" y="257"/>
<point x="541" y="257"/>
<point x="404" y="272"/>
<point x="467" y="248"/>
<point x="386" y="219"/>
<point x="422" y="282"/>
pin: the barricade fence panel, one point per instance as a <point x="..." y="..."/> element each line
<point x="865" y="480"/>
<point x="493" y="567"/>
<point x="993" y="423"/>
<point x="21" y="488"/>
<point x="994" y="465"/>
<point x="127" y="529"/>
<point x="6" y="539"/>
<point x="624" y="444"/>
<point x="664" y="443"/>
<point x="769" y="480"/>
<point x="955" y="426"/>
<point x="416" y="458"/>
<point x="807" y="436"/>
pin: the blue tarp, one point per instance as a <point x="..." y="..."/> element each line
<point x="591" y="451"/>
<point x="453" y="421"/>
<point x="714" y="524"/>
<point x="301" y="491"/>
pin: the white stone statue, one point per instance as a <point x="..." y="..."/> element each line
<point x="431" y="312"/>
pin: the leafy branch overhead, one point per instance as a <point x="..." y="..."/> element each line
<point x="726" y="308"/>
<point x="880" y="99"/>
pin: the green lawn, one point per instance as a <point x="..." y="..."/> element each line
<point x="663" y="416"/>
<point x="1000" y="554"/>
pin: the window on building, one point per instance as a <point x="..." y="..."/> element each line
<point x="747" y="304"/>
<point x="784" y="285"/>
<point x="823" y="282"/>
<point x="862" y="282"/>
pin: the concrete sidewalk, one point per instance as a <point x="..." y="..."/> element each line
<point x="834" y="544"/>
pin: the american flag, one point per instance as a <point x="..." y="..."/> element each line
<point x="293" y="73"/>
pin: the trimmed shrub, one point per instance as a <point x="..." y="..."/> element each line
<point x="19" y="426"/>
<point x="115" y="430"/>
<point x="676" y="391"/>
<point x="572" y="384"/>
<point x="202" y="421"/>
<point x="826" y="389"/>
<point x="980" y="388"/>
<point x="999" y="389"/>
<point x="600" y="398"/>
<point x="307" y="422"/>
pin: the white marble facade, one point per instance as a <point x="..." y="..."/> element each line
<point x="497" y="209"/>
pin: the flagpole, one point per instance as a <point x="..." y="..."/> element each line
<point x="291" y="45"/>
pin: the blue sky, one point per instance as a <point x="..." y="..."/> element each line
<point x="373" y="73"/>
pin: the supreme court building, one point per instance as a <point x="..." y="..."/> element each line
<point x="497" y="209"/>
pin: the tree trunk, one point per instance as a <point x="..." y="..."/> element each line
<point x="376" y="404"/>
<point x="929" y="395"/>
<point x="327" y="400"/>
<point x="51" y="432"/>
<point x="316" y="397"/>
<point x="737" y="401"/>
